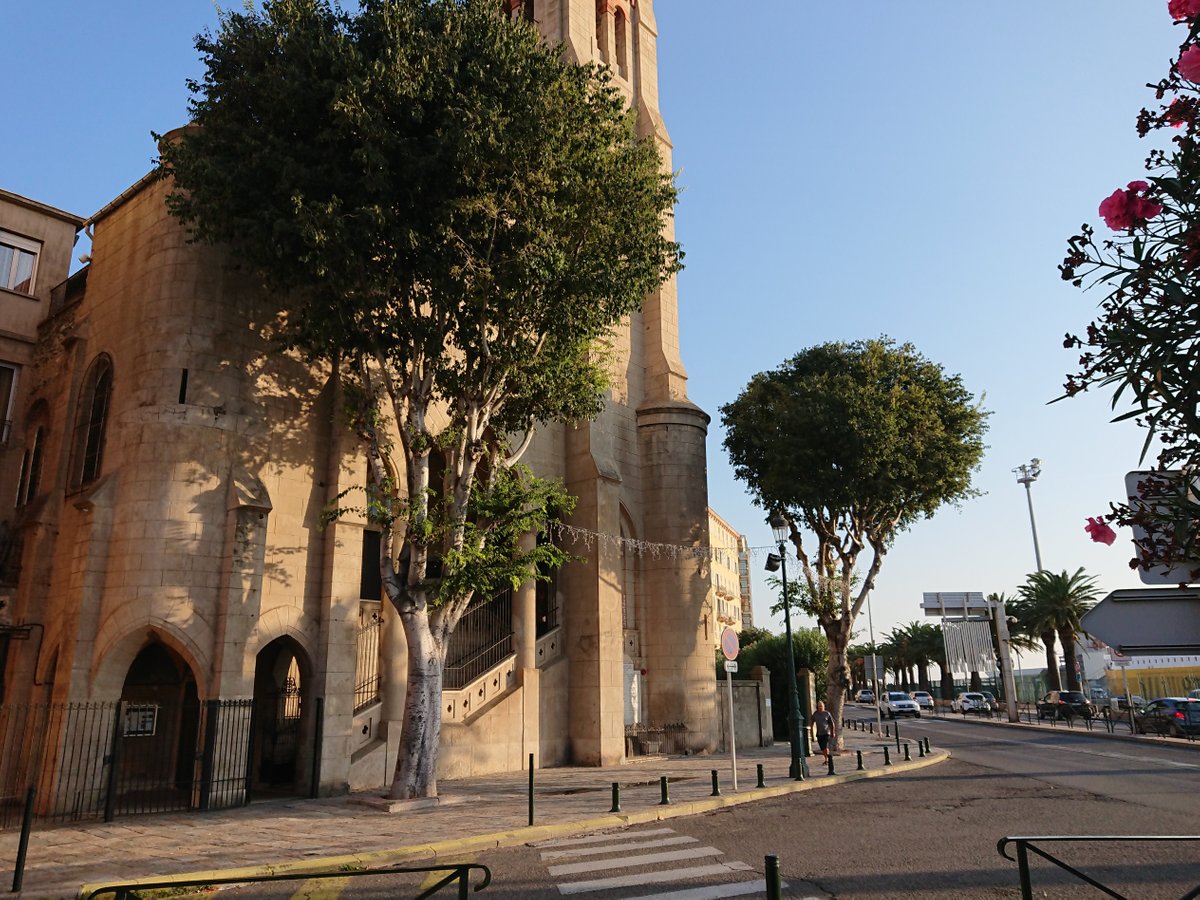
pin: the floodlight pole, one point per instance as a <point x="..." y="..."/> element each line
<point x="1027" y="474"/>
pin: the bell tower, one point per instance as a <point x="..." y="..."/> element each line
<point x="640" y="645"/>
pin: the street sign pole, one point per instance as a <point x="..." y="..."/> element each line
<point x="729" y="646"/>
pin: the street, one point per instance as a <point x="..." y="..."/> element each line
<point x="930" y="833"/>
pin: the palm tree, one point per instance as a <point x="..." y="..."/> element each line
<point x="1052" y="605"/>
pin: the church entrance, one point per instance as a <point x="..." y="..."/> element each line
<point x="284" y="719"/>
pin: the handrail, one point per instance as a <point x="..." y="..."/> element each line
<point x="460" y="873"/>
<point x="1025" y="845"/>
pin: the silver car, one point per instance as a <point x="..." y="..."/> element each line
<point x="898" y="703"/>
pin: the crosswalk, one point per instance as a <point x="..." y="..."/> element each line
<point x="624" y="861"/>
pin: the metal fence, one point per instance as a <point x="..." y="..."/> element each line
<point x="101" y="760"/>
<point x="482" y="639"/>
<point x="366" y="666"/>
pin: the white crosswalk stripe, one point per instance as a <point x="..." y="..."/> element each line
<point x="618" y="862"/>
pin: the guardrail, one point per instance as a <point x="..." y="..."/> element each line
<point x="1026" y="845"/>
<point x="458" y="875"/>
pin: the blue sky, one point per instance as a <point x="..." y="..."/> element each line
<point x="849" y="170"/>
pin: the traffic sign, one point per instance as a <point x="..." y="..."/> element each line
<point x="730" y="665"/>
<point x="729" y="643"/>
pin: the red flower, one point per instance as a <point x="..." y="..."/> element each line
<point x="1183" y="9"/>
<point x="1189" y="62"/>
<point x="1128" y="209"/>
<point x="1100" y="532"/>
<point x="1177" y="113"/>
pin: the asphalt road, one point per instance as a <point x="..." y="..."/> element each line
<point x="931" y="833"/>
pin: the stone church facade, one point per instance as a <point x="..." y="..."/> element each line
<point x="169" y="478"/>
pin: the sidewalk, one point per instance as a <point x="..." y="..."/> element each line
<point x="473" y="814"/>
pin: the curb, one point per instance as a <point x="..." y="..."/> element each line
<point x="1160" y="740"/>
<point x="527" y="834"/>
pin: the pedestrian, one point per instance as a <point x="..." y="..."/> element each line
<point x="823" y="725"/>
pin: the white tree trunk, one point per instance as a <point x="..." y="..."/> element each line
<point x="837" y="681"/>
<point x="416" y="765"/>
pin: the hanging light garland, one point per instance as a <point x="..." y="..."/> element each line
<point x="652" y="549"/>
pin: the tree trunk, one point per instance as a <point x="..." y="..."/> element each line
<point x="923" y="677"/>
<point x="1066" y="637"/>
<point x="837" y="676"/>
<point x="1053" y="682"/>
<point x="947" y="685"/>
<point x="976" y="682"/>
<point x="416" y="765"/>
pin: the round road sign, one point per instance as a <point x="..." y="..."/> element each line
<point x="729" y="643"/>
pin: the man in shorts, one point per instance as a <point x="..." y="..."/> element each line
<point x="823" y="725"/>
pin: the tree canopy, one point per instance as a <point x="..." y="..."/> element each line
<point x="852" y="443"/>
<point x="453" y="218"/>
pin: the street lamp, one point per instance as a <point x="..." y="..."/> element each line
<point x="1027" y="475"/>
<point x="799" y="765"/>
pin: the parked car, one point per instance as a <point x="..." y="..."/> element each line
<point x="864" y="696"/>
<point x="1065" y="705"/>
<point x="1175" y="716"/>
<point x="969" y="701"/>
<point x="992" y="702"/>
<point x="1135" y="700"/>
<point x="923" y="699"/>
<point x="898" y="703"/>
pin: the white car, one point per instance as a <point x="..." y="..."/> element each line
<point x="923" y="699"/>
<point x="864" y="696"/>
<point x="898" y="703"/>
<point x="970" y="701"/>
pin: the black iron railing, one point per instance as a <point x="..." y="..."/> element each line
<point x="482" y="639"/>
<point x="457" y="878"/>
<point x="366" y="666"/>
<point x="1028" y="844"/>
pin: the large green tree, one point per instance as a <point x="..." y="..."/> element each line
<point x="451" y="218"/>
<point x="1052" y="605"/>
<point x="852" y="443"/>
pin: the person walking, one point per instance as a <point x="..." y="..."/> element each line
<point x="824" y="727"/>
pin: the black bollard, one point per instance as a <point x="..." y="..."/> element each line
<point x="761" y="782"/>
<point x="897" y="737"/>
<point x="774" y="880"/>
<point x="662" y="784"/>
<point x="887" y="730"/>
<point x="907" y="756"/>
<point x="716" y="787"/>
<point x="531" y="789"/>
<point x="887" y="755"/>
<point x="860" y="762"/>
<point x="921" y="748"/>
<point x="831" y="772"/>
<point x="871" y="727"/>
<point x="23" y="843"/>
<point x="616" y="807"/>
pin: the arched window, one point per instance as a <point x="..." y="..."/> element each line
<point x="91" y="422"/>
<point x="621" y="39"/>
<point x="602" y="29"/>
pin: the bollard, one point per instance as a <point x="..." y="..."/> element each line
<point x="531" y="789"/>
<point x="907" y="756"/>
<point x="887" y="730"/>
<point x="662" y="784"/>
<point x="774" y="880"/>
<point x="761" y="782"/>
<point x="887" y="755"/>
<point x="616" y="807"/>
<point x="921" y="749"/>
<point x="871" y="727"/>
<point x="831" y="772"/>
<point x="23" y="844"/>
<point x="928" y="749"/>
<point x="897" y="737"/>
<point x="860" y="762"/>
<point x="716" y="787"/>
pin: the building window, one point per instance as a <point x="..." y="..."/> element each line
<point x="91" y="424"/>
<point x="18" y="262"/>
<point x="621" y="39"/>
<point x="370" y="581"/>
<point x="8" y="391"/>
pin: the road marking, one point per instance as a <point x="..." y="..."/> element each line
<point x="645" y="859"/>
<point x="717" y="891"/>
<point x="321" y="889"/>
<point x="612" y="848"/>
<point x="636" y="880"/>
<point x="598" y="838"/>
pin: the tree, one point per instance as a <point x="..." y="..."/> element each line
<point x="811" y="652"/>
<point x="450" y="217"/>
<point x="852" y="443"/>
<point x="1143" y="347"/>
<point x="1054" y="604"/>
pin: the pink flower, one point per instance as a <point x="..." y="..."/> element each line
<point x="1177" y="113"/>
<point x="1099" y="531"/>
<point x="1189" y="62"/>
<point x="1128" y="209"/>
<point x="1183" y="9"/>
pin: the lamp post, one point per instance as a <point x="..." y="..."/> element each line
<point x="1027" y="475"/>
<point x="799" y="765"/>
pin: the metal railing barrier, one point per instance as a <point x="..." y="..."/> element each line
<point x="458" y="875"/>
<point x="1027" y="844"/>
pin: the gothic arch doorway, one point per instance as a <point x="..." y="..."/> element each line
<point x="160" y="727"/>
<point x="284" y="718"/>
